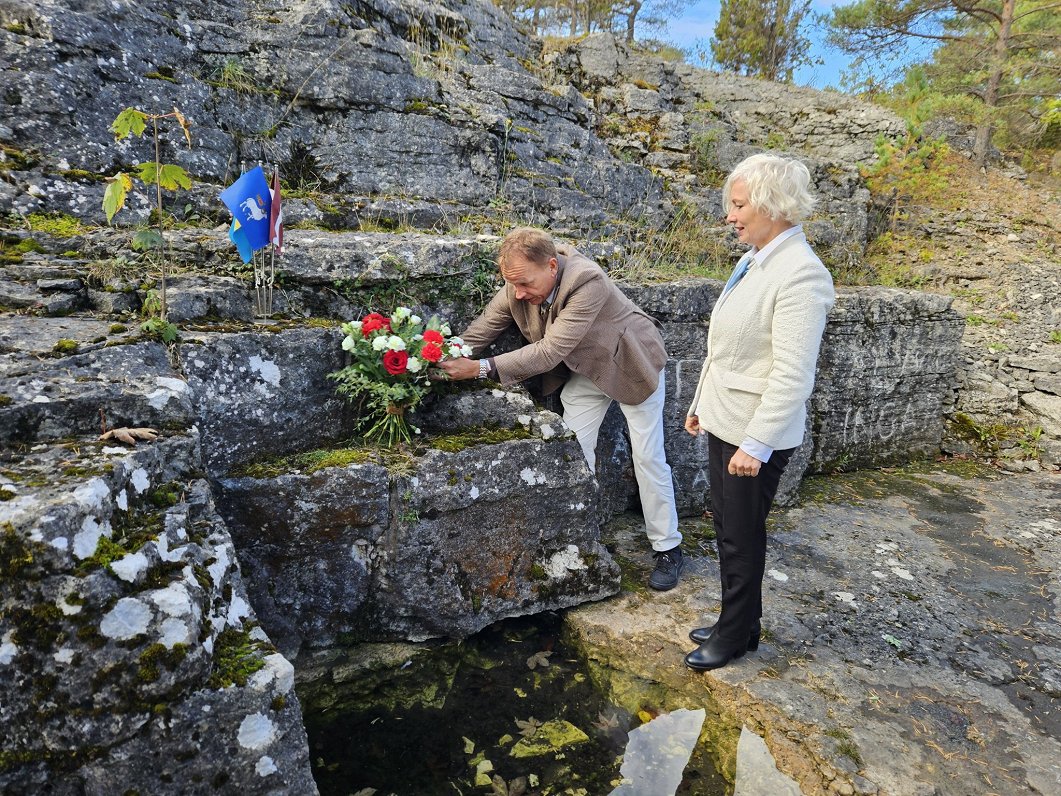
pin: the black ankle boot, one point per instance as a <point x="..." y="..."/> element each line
<point x="715" y="654"/>
<point x="702" y="635"/>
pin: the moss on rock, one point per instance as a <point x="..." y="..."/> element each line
<point x="236" y="657"/>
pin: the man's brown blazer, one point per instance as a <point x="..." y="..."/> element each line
<point x="591" y="328"/>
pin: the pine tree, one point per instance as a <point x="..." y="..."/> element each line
<point x="761" y="38"/>
<point x="996" y="62"/>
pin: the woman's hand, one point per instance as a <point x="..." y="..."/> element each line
<point x="743" y="464"/>
<point x="692" y="425"/>
<point x="460" y="369"/>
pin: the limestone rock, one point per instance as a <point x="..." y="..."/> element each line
<point x="451" y="543"/>
<point x="264" y="393"/>
<point x="124" y="612"/>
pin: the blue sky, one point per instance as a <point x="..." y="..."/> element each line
<point x="697" y="24"/>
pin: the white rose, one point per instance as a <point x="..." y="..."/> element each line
<point x="349" y="343"/>
<point x="415" y="319"/>
<point x="466" y="350"/>
<point x="413" y="365"/>
<point x="446" y="331"/>
<point x="454" y="351"/>
<point x="379" y="343"/>
<point x="401" y="314"/>
<point x="395" y="343"/>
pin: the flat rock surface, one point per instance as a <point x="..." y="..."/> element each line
<point x="912" y="637"/>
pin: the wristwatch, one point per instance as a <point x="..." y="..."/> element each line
<point x="484" y="368"/>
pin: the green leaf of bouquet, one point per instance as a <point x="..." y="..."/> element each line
<point x="114" y="197"/>
<point x="146" y="240"/>
<point x="129" y="122"/>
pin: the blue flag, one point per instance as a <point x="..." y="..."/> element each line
<point x="248" y="199"/>
<point x="239" y="237"/>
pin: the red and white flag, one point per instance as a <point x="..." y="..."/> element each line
<point x="276" y="215"/>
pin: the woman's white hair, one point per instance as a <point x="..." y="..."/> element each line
<point x="777" y="186"/>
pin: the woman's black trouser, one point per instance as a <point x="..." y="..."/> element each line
<point x="740" y="505"/>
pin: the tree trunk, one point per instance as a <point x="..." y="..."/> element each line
<point x="631" y="20"/>
<point x="985" y="129"/>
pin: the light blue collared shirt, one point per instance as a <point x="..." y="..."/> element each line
<point x="752" y="446"/>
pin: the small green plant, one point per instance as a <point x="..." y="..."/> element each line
<point x="153" y="172"/>
<point x="1029" y="442"/>
<point x="231" y="74"/>
<point x="775" y="140"/>
<point x="155" y="324"/>
<point x="1055" y="336"/>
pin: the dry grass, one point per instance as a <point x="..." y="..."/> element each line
<point x="689" y="245"/>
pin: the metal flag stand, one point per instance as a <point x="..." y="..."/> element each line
<point x="264" y="276"/>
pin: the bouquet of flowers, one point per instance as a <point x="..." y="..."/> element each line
<point x="388" y="375"/>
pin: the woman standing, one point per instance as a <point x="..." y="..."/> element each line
<point x="763" y="342"/>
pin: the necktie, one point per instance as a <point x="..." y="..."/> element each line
<point x="738" y="273"/>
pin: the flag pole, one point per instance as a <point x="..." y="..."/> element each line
<point x="272" y="246"/>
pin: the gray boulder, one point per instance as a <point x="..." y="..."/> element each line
<point x="495" y="522"/>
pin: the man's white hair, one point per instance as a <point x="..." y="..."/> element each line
<point x="777" y="186"/>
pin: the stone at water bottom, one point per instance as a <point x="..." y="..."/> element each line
<point x="756" y="770"/>
<point x="550" y="737"/>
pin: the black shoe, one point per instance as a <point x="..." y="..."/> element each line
<point x="702" y="635"/>
<point x="715" y="654"/>
<point x="669" y="566"/>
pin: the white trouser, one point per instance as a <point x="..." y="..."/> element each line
<point x="584" y="409"/>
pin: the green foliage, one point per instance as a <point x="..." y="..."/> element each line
<point x="913" y="170"/>
<point x="156" y="325"/>
<point x="170" y="177"/>
<point x="164" y="176"/>
<point x="129" y="122"/>
<point x="160" y="329"/>
<point x="705" y="158"/>
<point x="146" y="240"/>
<point x="1055" y="336"/>
<point x="992" y="66"/>
<point x="762" y="38"/>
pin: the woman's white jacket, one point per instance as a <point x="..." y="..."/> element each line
<point x="762" y="349"/>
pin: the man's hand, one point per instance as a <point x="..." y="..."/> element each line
<point x="692" y="425"/>
<point x="461" y="369"/>
<point x="743" y="464"/>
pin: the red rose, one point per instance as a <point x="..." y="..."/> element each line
<point x="374" y="321"/>
<point x="432" y="352"/>
<point x="433" y="336"/>
<point x="395" y="361"/>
